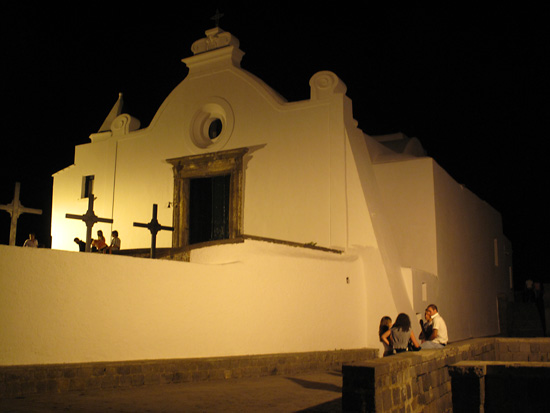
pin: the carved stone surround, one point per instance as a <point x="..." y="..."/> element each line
<point x="201" y="166"/>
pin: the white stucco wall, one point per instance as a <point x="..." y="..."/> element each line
<point x="468" y="275"/>
<point x="407" y="191"/>
<point x="446" y="237"/>
<point x="99" y="160"/>
<point x="255" y="298"/>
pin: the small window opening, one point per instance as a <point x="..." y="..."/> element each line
<point x="87" y="186"/>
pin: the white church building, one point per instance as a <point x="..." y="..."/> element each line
<point x="299" y="231"/>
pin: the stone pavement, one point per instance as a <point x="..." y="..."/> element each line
<point x="310" y="392"/>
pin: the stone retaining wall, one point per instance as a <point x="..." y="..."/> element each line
<point x="499" y="386"/>
<point x="420" y="381"/>
<point x="522" y="349"/>
<point x="409" y="382"/>
<point x="16" y="381"/>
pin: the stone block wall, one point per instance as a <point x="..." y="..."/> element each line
<point x="409" y="382"/>
<point x="421" y="382"/>
<point x="16" y="381"/>
<point x="522" y="349"/>
<point x="500" y="386"/>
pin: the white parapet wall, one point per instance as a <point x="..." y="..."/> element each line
<point x="67" y="307"/>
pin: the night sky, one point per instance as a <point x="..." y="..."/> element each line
<point x="471" y="85"/>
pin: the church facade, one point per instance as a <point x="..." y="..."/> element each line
<point x="232" y="167"/>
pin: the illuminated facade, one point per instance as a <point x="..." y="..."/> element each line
<point x="227" y="158"/>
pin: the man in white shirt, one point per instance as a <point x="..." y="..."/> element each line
<point x="115" y="243"/>
<point x="439" y="337"/>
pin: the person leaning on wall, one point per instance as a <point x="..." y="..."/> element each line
<point x="81" y="244"/>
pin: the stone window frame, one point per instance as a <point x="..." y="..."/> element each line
<point x="229" y="162"/>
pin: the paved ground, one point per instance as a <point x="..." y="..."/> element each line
<point x="314" y="392"/>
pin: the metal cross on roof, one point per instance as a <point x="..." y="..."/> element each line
<point x="217" y="17"/>
<point x="89" y="218"/>
<point x="15" y="208"/>
<point x="153" y="226"/>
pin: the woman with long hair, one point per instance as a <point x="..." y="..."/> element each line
<point x="401" y="333"/>
<point x="99" y="244"/>
<point x="385" y="325"/>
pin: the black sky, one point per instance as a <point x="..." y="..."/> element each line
<point x="472" y="85"/>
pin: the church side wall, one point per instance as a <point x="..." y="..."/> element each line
<point x="362" y="241"/>
<point x="408" y="196"/>
<point x="446" y="235"/>
<point x="370" y="236"/>
<point x="69" y="307"/>
<point x="470" y="279"/>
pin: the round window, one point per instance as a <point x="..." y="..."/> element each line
<point x="212" y="124"/>
<point x="215" y="128"/>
